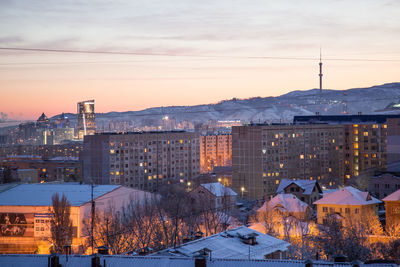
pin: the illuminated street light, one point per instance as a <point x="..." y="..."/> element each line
<point x="242" y="189"/>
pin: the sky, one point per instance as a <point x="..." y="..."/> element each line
<point x="188" y="52"/>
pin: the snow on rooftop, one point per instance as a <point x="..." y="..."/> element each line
<point x="40" y="194"/>
<point x="219" y="190"/>
<point x="35" y="260"/>
<point x="395" y="196"/>
<point x="348" y="196"/>
<point x="287" y="202"/>
<point x="306" y="185"/>
<point x="61" y="158"/>
<point x="230" y="245"/>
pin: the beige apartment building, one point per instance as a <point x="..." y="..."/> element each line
<point x="215" y="151"/>
<point x="264" y="154"/>
<point x="143" y="160"/>
<point x="329" y="149"/>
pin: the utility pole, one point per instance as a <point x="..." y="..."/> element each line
<point x="93" y="216"/>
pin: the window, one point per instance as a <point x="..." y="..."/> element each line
<point x="324" y="209"/>
<point x="356" y="211"/>
<point x="347" y="210"/>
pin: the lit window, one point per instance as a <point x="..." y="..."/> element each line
<point x="330" y="169"/>
<point x="281" y="165"/>
<point x="375" y="126"/>
<point x="117" y="173"/>
<point x="355" y="125"/>
<point x="181" y="141"/>
<point x="276" y="135"/>
<point x="145" y="150"/>
<point x="264" y="174"/>
<point x="355" y="152"/>
<point x="333" y="141"/>
<point x="365" y="133"/>
<point x="277" y="174"/>
<point x="112" y="151"/>
<point x="141" y="164"/>
<point x="276" y="181"/>
<point x="272" y="144"/>
<point x="355" y="131"/>
<point x="149" y="177"/>
<point x="355" y="145"/>
<point x="385" y="126"/>
<point x="301" y="156"/>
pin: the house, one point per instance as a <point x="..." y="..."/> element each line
<point x="238" y="243"/>
<point x="383" y="185"/>
<point x="286" y="204"/>
<point x="392" y="206"/>
<point x="25" y="212"/>
<point x="346" y="203"/>
<point x="219" y="196"/>
<point x="307" y="191"/>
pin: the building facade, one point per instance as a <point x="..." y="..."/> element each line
<point x="392" y="207"/>
<point x="25" y="213"/>
<point x="383" y="185"/>
<point x="347" y="204"/>
<point x="264" y="154"/>
<point x="86" y="118"/>
<point x="142" y="160"/>
<point x="215" y="151"/>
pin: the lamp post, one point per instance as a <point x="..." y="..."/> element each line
<point x="242" y="189"/>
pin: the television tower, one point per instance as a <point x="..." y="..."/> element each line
<point x="320" y="72"/>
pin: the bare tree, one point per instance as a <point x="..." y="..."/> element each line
<point x="60" y="223"/>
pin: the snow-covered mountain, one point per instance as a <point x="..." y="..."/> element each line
<point x="371" y="100"/>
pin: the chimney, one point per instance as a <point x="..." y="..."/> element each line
<point x="200" y="262"/>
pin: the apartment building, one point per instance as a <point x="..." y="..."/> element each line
<point x="263" y="154"/>
<point x="215" y="151"/>
<point x="371" y="141"/>
<point x="142" y="160"/>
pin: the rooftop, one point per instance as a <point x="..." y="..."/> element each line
<point x="40" y="194"/>
<point x="306" y="185"/>
<point x="348" y="196"/>
<point x="286" y="202"/>
<point x="395" y="196"/>
<point x="230" y="245"/>
<point x="376" y="118"/>
<point x="150" y="261"/>
<point x="218" y="190"/>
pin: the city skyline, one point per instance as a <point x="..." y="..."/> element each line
<point x="189" y="53"/>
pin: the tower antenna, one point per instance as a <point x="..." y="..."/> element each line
<point x="320" y="71"/>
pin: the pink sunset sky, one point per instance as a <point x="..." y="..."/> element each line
<point x="207" y="51"/>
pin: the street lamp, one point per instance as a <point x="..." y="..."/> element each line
<point x="242" y="189"/>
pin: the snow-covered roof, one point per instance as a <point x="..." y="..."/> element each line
<point x="395" y="196"/>
<point x="40" y="194"/>
<point x="37" y="260"/>
<point x="218" y="190"/>
<point x="230" y="245"/>
<point x="306" y="185"/>
<point x="286" y="202"/>
<point x="348" y="196"/>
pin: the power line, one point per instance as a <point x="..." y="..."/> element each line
<point x="187" y="55"/>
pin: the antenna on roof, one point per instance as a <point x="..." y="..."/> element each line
<point x="320" y="71"/>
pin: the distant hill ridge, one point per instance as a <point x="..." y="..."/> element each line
<point x="370" y="100"/>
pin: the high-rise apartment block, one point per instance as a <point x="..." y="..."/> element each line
<point x="142" y="160"/>
<point x="330" y="149"/>
<point x="86" y="118"/>
<point x="264" y="154"/>
<point x="215" y="150"/>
